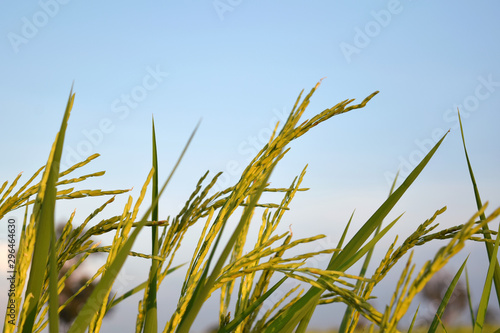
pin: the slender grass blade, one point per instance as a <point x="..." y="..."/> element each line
<point x="445" y="300"/>
<point x="371" y="244"/>
<point x="305" y="321"/>
<point x="44" y="224"/>
<point x="236" y="321"/>
<point x="95" y="300"/>
<point x="410" y="329"/>
<point x="53" y="279"/>
<point x="350" y="310"/>
<point x="469" y="299"/>
<point x="151" y="320"/>
<point x="485" y="297"/>
<point x="489" y="246"/>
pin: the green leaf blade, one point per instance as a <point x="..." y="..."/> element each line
<point x="479" y="204"/>
<point x="444" y="302"/>
<point x="44" y="224"/>
<point x="485" y="297"/>
<point x="95" y="300"/>
<point x="236" y="321"/>
<point x="151" y="316"/>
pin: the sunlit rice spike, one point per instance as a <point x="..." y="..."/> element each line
<point x="79" y="165"/>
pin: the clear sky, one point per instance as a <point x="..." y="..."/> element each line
<point x="239" y="65"/>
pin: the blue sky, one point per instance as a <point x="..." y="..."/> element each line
<point x="239" y="65"/>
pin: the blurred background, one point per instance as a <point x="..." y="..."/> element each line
<point x="239" y="66"/>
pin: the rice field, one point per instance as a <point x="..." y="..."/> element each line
<point x="245" y="274"/>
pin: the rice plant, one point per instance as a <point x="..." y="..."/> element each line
<point x="245" y="274"/>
